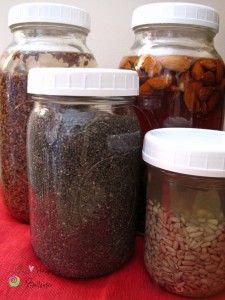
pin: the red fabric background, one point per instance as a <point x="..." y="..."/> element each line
<point x="131" y="282"/>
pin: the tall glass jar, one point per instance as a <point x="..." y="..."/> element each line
<point x="44" y="35"/>
<point x="181" y="74"/>
<point x="84" y="149"/>
<point x="185" y="215"/>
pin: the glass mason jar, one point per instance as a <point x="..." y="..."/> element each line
<point x="185" y="215"/>
<point x="84" y="149"/>
<point x="44" y="35"/>
<point x="181" y="74"/>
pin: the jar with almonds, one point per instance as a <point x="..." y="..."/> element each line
<point x="44" y="35"/>
<point x="181" y="74"/>
<point x="185" y="216"/>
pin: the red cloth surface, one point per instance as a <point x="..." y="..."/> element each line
<point x="17" y="258"/>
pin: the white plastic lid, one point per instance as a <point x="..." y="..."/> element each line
<point x="191" y="151"/>
<point x="48" y="13"/>
<point x="83" y="82"/>
<point x="176" y="13"/>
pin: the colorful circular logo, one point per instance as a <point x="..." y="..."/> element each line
<point x="14" y="281"/>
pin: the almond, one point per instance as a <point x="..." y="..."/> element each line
<point x="197" y="107"/>
<point x="221" y="86"/>
<point x="183" y="79"/>
<point x="213" y="101"/>
<point x="209" y="64"/>
<point x="189" y="99"/>
<point x="158" y="83"/>
<point x="205" y="93"/>
<point x="219" y="71"/>
<point x="197" y="70"/>
<point x="203" y="107"/>
<point x="151" y="66"/>
<point x="125" y="63"/>
<point x="173" y="88"/>
<point x="209" y="78"/>
<point x="194" y="85"/>
<point x="145" y="89"/>
<point x="128" y="63"/>
<point x="200" y="107"/>
<point x="176" y="63"/>
<point x="190" y="93"/>
<point x="142" y="76"/>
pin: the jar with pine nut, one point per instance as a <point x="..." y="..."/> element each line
<point x="181" y="74"/>
<point x="185" y="213"/>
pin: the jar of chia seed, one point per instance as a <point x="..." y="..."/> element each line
<point x="181" y="75"/>
<point x="44" y="35"/>
<point x="83" y="155"/>
<point x="185" y="214"/>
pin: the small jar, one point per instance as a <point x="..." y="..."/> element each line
<point x="44" y="35"/>
<point x="181" y="74"/>
<point x="84" y="149"/>
<point x="185" y="214"/>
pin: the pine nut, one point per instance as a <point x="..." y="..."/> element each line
<point x="185" y="255"/>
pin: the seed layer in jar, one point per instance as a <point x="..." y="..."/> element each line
<point x="184" y="255"/>
<point x="15" y="107"/>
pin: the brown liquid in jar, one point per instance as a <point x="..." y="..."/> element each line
<point x="178" y="91"/>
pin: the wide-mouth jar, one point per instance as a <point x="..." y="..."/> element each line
<point x="181" y="74"/>
<point x="185" y="213"/>
<point x="84" y="149"/>
<point x="43" y="35"/>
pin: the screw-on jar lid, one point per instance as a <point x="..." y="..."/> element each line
<point x="191" y="151"/>
<point x="83" y="82"/>
<point x="176" y="13"/>
<point x="48" y="13"/>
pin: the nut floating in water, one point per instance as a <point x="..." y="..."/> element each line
<point x="176" y="63"/>
<point x="194" y="87"/>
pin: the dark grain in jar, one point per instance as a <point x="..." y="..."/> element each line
<point x="84" y="166"/>
<point x="15" y="107"/>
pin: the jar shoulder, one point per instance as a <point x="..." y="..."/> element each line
<point x="163" y="48"/>
<point x="174" y="40"/>
<point x="15" y="59"/>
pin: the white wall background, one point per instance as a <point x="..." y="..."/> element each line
<point x="111" y="35"/>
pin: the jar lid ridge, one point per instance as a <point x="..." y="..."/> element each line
<point x="48" y="13"/>
<point x="191" y="151"/>
<point x="83" y="82"/>
<point x="176" y="13"/>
